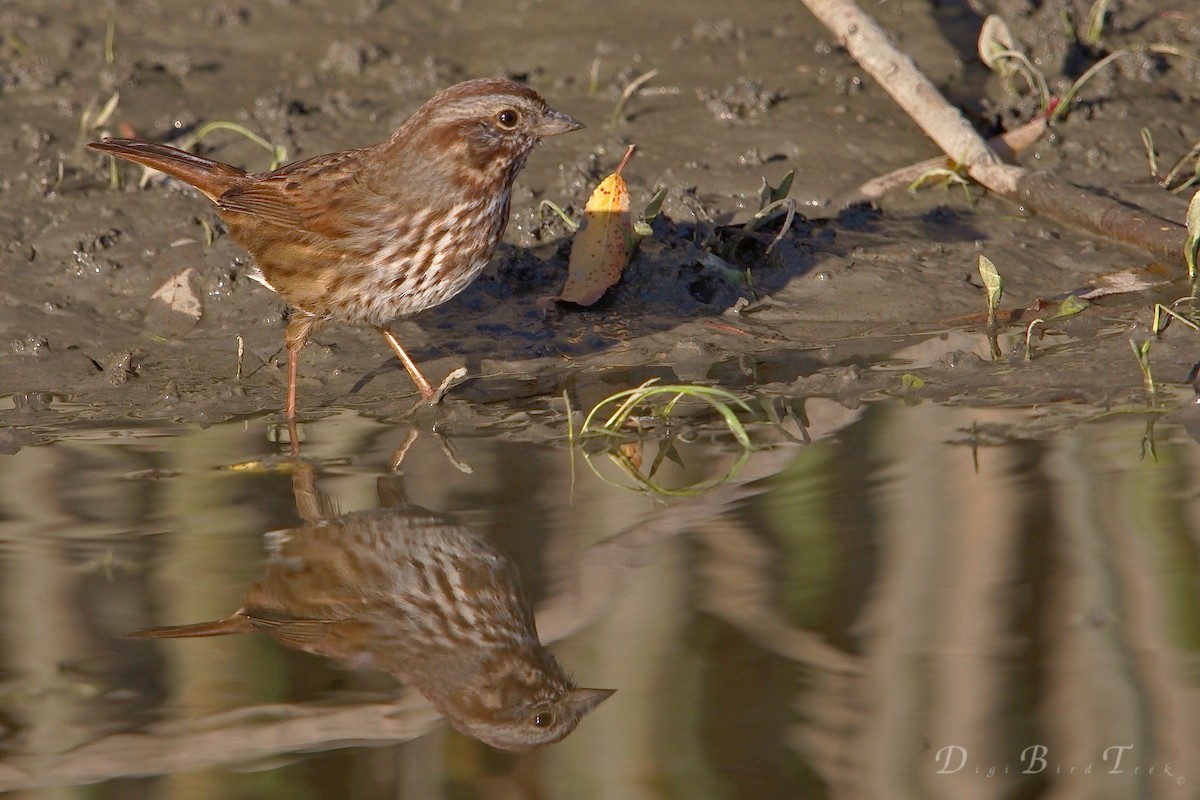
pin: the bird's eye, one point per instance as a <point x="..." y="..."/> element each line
<point x="508" y="119"/>
<point x="543" y="720"/>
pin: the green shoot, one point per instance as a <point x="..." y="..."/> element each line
<point x="995" y="290"/>
<point x="1032" y="75"/>
<point x="641" y="226"/>
<point x="1029" y="338"/>
<point x="1142" y="354"/>
<point x="610" y="421"/>
<point x="594" y="78"/>
<point x="1151" y="154"/>
<point x="557" y="210"/>
<point x="631" y="399"/>
<point x="953" y="175"/>
<point x="630" y="91"/>
<point x="1191" y="245"/>
<point x="1095" y="22"/>
<point x="994" y="285"/>
<point x="92" y="120"/>
<point x="1147" y="447"/>
<point x="1160" y="311"/>
<point x="278" y="152"/>
<point x="1064" y="103"/>
<point x="1191" y="157"/>
<point x="209" y="234"/>
<point x="110" y="35"/>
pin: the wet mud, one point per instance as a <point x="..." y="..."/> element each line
<point x="843" y="306"/>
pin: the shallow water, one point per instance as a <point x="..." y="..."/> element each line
<point x="916" y="603"/>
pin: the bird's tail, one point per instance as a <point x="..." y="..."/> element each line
<point x="211" y="177"/>
<point x="218" y="627"/>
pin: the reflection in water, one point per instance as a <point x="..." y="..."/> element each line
<point x="926" y="601"/>
<point x="404" y="590"/>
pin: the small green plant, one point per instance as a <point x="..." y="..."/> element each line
<point x="1189" y="160"/>
<point x="110" y="36"/>
<point x="92" y="122"/>
<point x="1142" y="354"/>
<point x="617" y="425"/>
<point x="1147" y="447"/>
<point x="278" y="152"/>
<point x="720" y="243"/>
<point x="954" y="175"/>
<point x="1029" y="337"/>
<point x="1191" y="245"/>
<point x="999" y="52"/>
<point x="1151" y="153"/>
<point x="772" y="201"/>
<point x="1161" y="311"/>
<point x="994" y="284"/>
<point x="1094" y="28"/>
<point x="1063" y="107"/>
<point x="630" y="91"/>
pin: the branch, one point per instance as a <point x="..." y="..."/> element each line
<point x="895" y="72"/>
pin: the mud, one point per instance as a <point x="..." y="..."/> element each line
<point x="842" y="307"/>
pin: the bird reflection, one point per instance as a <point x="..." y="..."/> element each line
<point x="407" y="591"/>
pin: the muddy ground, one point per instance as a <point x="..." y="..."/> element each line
<point x="843" y="307"/>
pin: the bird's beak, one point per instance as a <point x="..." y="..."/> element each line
<point x="555" y="122"/>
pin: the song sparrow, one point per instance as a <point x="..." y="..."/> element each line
<point x="404" y="590"/>
<point x="367" y="236"/>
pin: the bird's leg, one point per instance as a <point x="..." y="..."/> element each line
<point x="296" y="335"/>
<point x="419" y="379"/>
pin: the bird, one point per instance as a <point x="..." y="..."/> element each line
<point x="376" y="234"/>
<point x="433" y="602"/>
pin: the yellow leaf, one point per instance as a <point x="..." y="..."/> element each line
<point x="603" y="246"/>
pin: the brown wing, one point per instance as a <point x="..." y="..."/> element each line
<point x="316" y="195"/>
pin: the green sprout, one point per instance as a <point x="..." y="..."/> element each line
<point x="1147" y="447"/>
<point x="1192" y="158"/>
<point x="610" y="422"/>
<point x="278" y="152"/>
<point x="1161" y="311"/>
<point x="630" y="91"/>
<point x="1191" y="245"/>
<point x="995" y="290"/>
<point x="953" y="175"/>
<point x="1142" y="354"/>
<point x="994" y="285"/>
<point x="110" y="35"/>
<point x="1095" y="22"/>
<point x="1029" y="337"/>
<point x="1151" y="153"/>
<point x="1064" y="104"/>
<point x="998" y="51"/>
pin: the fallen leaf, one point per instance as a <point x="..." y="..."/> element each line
<point x="175" y="308"/>
<point x="603" y="246"/>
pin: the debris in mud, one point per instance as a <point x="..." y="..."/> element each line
<point x="175" y="308"/>
<point x="740" y="101"/>
<point x="121" y="366"/>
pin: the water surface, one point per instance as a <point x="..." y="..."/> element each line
<point x="923" y="601"/>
